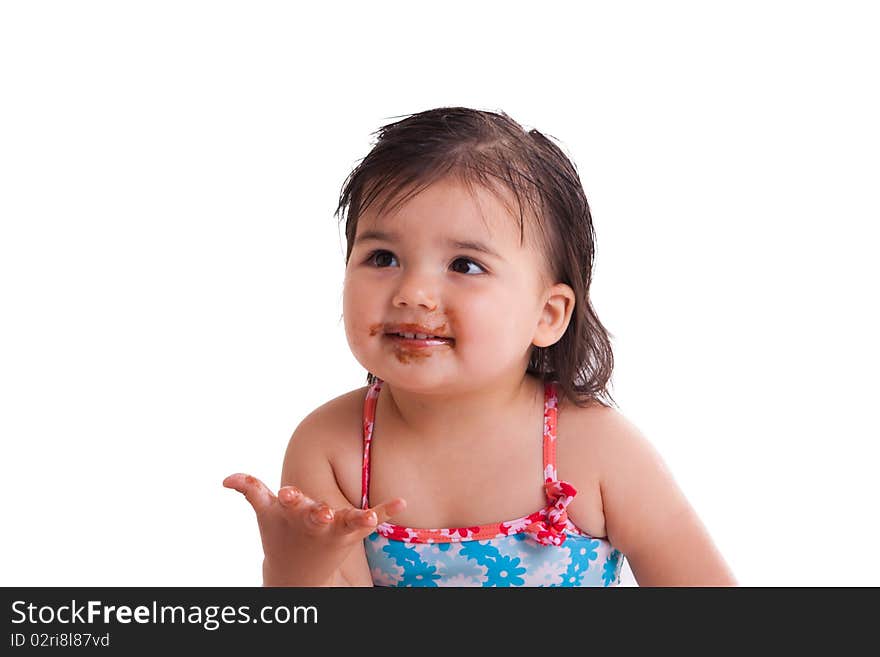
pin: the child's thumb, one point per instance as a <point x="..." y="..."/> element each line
<point x="254" y="490"/>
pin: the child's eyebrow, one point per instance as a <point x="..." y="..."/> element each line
<point x="391" y="236"/>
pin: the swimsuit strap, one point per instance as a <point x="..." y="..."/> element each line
<point x="551" y="412"/>
<point x="368" y="419"/>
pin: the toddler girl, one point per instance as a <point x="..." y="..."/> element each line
<point x="483" y="450"/>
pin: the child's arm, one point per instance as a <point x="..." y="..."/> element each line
<point x="307" y="466"/>
<point x="311" y="534"/>
<point x="648" y="518"/>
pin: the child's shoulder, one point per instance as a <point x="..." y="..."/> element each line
<point x="646" y="514"/>
<point x="592" y="442"/>
<point x="342" y="412"/>
<point x="596" y="431"/>
<point x="602" y="439"/>
<point x="331" y="435"/>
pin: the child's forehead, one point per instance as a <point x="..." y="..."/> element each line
<point x="447" y="209"/>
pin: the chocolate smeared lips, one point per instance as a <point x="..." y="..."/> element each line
<point x="418" y="335"/>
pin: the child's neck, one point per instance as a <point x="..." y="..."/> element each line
<point x="441" y="417"/>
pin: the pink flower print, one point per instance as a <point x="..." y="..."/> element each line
<point x="557" y="518"/>
<point x="545" y="534"/>
<point x="550" y="426"/>
<point x="550" y="529"/>
<point x="395" y="532"/>
<point x="516" y="526"/>
<point x="549" y="473"/>
<point x="416" y="537"/>
<point x="562" y="490"/>
<point x="460" y="533"/>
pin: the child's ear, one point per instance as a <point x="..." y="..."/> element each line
<point x="555" y="315"/>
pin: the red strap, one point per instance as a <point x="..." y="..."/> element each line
<point x="551" y="414"/>
<point x="549" y="439"/>
<point x="369" y="418"/>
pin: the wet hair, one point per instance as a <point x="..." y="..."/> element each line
<point x="490" y="149"/>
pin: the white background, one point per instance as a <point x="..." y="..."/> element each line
<point x="171" y="270"/>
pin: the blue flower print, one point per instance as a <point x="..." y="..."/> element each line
<point x="415" y="571"/>
<point x="611" y="571"/>
<point x="513" y="561"/>
<point x="505" y="571"/>
<point x="454" y="570"/>
<point x="582" y="553"/>
<point x="585" y="551"/>
<point x="574" y="574"/>
<point x="480" y="551"/>
<point x="425" y="575"/>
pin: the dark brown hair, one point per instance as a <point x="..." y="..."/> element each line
<point x="492" y="150"/>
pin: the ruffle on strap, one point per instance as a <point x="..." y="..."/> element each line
<point x="550" y="528"/>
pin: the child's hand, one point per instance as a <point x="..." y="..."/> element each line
<point x="305" y="541"/>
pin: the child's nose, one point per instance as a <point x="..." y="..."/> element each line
<point x="416" y="289"/>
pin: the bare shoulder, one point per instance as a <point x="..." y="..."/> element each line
<point x="608" y="440"/>
<point x="593" y="441"/>
<point x="647" y="515"/>
<point x="324" y="448"/>
<point x="581" y="434"/>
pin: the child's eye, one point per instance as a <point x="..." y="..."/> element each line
<point x="468" y="260"/>
<point x="378" y="259"/>
<point x="372" y="257"/>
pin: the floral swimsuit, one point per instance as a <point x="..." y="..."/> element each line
<point x="541" y="549"/>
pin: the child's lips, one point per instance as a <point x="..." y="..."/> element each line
<point x="416" y="330"/>
<point x="417" y="343"/>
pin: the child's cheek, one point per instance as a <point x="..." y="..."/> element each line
<point x="355" y="330"/>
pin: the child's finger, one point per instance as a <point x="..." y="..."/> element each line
<point x="388" y="509"/>
<point x="254" y="490"/>
<point x="291" y="497"/>
<point x="352" y="519"/>
<point x="319" y="517"/>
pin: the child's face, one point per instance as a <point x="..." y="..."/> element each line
<point x="489" y="304"/>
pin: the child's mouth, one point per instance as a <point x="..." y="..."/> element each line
<point x="410" y="340"/>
